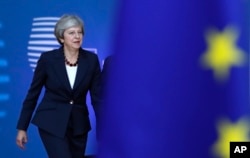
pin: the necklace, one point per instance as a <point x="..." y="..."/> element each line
<point x="69" y="63"/>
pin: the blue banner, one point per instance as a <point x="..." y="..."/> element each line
<point x="179" y="83"/>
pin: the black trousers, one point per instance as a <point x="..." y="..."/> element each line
<point x="71" y="146"/>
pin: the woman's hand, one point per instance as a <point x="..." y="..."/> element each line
<point x="21" y="139"/>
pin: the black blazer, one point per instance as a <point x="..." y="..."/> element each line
<point x="54" y="110"/>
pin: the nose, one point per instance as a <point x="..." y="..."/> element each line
<point x="77" y="35"/>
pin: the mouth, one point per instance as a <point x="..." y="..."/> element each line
<point x="77" y="42"/>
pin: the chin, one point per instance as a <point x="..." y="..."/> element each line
<point x="77" y="47"/>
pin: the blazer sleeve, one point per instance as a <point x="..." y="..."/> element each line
<point x="95" y="86"/>
<point x="33" y="94"/>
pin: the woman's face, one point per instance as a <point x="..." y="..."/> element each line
<point x="72" y="38"/>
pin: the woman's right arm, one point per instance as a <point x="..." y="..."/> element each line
<point x="30" y="101"/>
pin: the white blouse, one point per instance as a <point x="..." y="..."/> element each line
<point x="71" y="71"/>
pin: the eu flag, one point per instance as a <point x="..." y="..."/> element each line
<point x="179" y="80"/>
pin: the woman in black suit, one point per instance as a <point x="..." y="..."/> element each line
<point x="67" y="74"/>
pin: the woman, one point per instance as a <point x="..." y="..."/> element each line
<point x="67" y="74"/>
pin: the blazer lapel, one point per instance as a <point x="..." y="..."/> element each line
<point x="81" y="69"/>
<point x="60" y="69"/>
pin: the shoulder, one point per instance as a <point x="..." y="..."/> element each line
<point x="50" y="56"/>
<point x="51" y="53"/>
<point x="108" y="59"/>
<point x="88" y="54"/>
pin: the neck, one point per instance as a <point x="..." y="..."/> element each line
<point x="71" y="53"/>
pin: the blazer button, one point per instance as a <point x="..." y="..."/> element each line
<point x="71" y="102"/>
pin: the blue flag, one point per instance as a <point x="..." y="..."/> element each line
<point x="179" y="80"/>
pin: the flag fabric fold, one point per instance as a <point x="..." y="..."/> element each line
<point x="180" y="69"/>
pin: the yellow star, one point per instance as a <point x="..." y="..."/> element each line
<point x="229" y="132"/>
<point x="222" y="52"/>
